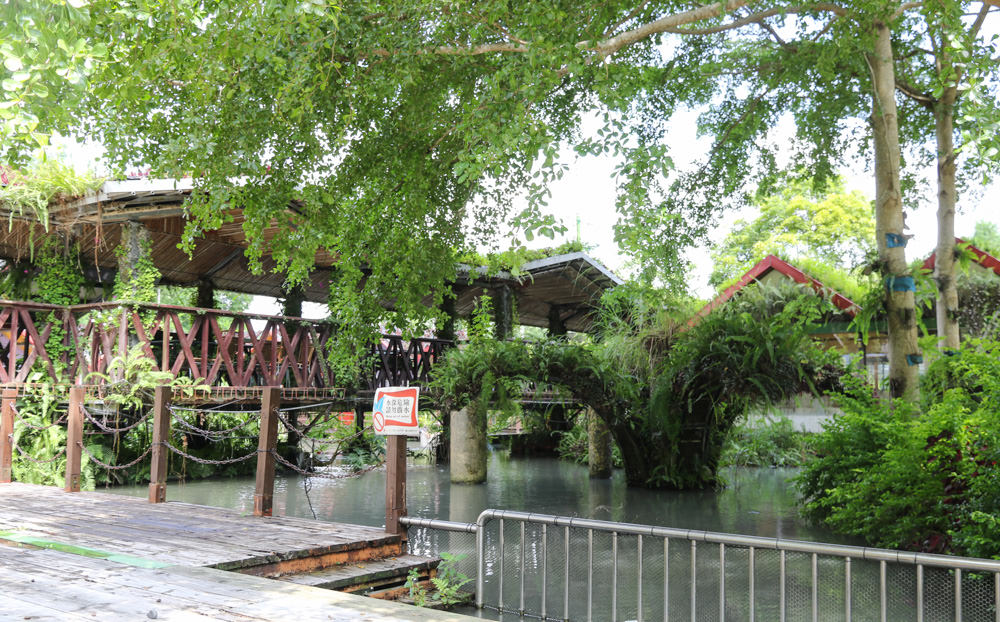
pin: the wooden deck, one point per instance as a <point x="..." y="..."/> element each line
<point x="67" y="556"/>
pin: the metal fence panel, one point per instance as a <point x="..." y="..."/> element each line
<point x="563" y="568"/>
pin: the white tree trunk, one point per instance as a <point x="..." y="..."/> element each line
<point x="900" y="308"/>
<point x="944" y="265"/>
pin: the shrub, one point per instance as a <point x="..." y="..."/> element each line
<point x="774" y="443"/>
<point x="923" y="481"/>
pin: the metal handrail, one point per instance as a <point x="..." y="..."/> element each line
<point x="693" y="537"/>
<point x="974" y="564"/>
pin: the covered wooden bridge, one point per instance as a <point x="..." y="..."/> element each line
<point x="235" y="352"/>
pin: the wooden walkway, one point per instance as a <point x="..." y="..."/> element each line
<point x="66" y="556"/>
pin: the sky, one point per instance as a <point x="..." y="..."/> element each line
<point x="587" y="192"/>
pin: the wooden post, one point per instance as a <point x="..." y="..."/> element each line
<point x="7" y="435"/>
<point x="161" y="434"/>
<point x="395" y="483"/>
<point x="263" y="496"/>
<point x="74" y="438"/>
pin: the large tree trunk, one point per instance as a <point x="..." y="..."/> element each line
<point x="944" y="266"/>
<point x="904" y="354"/>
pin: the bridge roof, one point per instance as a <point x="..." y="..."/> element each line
<point x="571" y="282"/>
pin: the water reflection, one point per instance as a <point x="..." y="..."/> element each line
<point x="756" y="501"/>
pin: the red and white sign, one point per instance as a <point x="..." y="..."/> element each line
<point x="395" y="411"/>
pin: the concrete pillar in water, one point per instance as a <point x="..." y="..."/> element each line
<point x="468" y="447"/>
<point x="598" y="446"/>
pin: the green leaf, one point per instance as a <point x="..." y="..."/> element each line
<point x="13" y="63"/>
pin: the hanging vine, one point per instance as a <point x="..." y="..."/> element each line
<point x="137" y="278"/>
<point x="58" y="281"/>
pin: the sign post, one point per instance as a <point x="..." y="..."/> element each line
<point x="394" y="415"/>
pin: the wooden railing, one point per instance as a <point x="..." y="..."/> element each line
<point x="220" y="348"/>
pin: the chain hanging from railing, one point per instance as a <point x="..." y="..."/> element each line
<point x="214" y="436"/>
<point x="336" y="452"/>
<point x="115" y="467"/>
<point x="31" y="426"/>
<point x="208" y="461"/>
<point x="322" y="474"/>
<point x="104" y="428"/>
<point x="27" y="456"/>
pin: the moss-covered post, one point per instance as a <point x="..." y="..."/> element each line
<point x="292" y="305"/>
<point x="133" y="252"/>
<point x="468" y="446"/>
<point x="503" y="314"/>
<point x="447" y="329"/>
<point x="557" y="327"/>
<point x="206" y="295"/>
<point x="598" y="446"/>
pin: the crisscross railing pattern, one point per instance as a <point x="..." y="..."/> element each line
<point x="220" y="348"/>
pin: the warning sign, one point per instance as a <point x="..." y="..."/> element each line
<point x="395" y="411"/>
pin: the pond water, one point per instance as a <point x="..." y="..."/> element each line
<point x="756" y="501"/>
<point x="759" y="502"/>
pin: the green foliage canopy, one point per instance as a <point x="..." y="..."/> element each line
<point x="668" y="396"/>
<point x="986" y="237"/>
<point x="836" y="227"/>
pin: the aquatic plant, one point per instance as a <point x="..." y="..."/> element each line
<point x="669" y="393"/>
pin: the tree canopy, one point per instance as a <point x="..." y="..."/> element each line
<point x="836" y="227"/>
<point x="399" y="131"/>
<point x="986" y="237"/>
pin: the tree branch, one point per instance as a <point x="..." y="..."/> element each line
<point x="903" y="8"/>
<point x="978" y="24"/>
<point x="915" y="94"/>
<point x="774" y="34"/>
<point x="759" y="17"/>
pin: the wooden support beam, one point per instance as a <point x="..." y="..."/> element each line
<point x="161" y="434"/>
<point x="74" y="438"/>
<point x="263" y="497"/>
<point x="395" y="484"/>
<point x="7" y="435"/>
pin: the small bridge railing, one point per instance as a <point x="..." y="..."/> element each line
<point x="563" y="568"/>
<point x="220" y="348"/>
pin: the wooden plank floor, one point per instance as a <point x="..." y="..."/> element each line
<point x="94" y="556"/>
<point x="173" y="533"/>
<point x="46" y="585"/>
